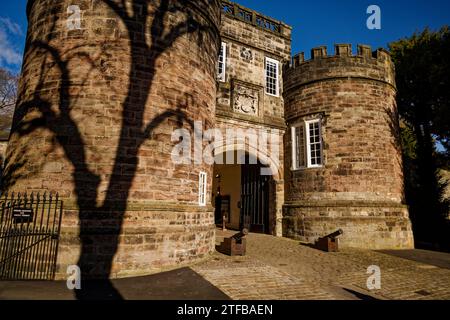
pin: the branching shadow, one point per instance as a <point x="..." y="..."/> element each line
<point x="40" y="113"/>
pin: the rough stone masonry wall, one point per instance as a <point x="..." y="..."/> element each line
<point x="247" y="47"/>
<point x="3" y="146"/>
<point x="360" y="186"/>
<point x="239" y="36"/>
<point x="83" y="91"/>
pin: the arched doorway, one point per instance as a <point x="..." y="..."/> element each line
<point x="244" y="195"/>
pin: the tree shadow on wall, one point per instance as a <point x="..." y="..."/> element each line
<point x="101" y="225"/>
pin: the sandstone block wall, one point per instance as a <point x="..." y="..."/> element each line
<point x="251" y="38"/>
<point x="247" y="47"/>
<point x="359" y="188"/>
<point x="97" y="107"/>
<point x="3" y="146"/>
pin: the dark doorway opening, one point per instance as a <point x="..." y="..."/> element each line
<point x="242" y="195"/>
<point x="222" y="209"/>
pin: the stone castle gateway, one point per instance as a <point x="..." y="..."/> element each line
<point x="98" y="106"/>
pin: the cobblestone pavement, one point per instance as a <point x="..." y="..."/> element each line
<point x="275" y="269"/>
<point x="248" y="279"/>
<point x="179" y="284"/>
<point x="278" y="268"/>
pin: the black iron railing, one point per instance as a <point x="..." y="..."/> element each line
<point x="29" y="236"/>
<point x="235" y="10"/>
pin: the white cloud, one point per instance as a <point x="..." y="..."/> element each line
<point x="9" y="55"/>
<point x="12" y="27"/>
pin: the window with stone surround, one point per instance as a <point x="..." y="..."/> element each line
<point x="202" y="182"/>
<point x="307" y="145"/>
<point x="272" y="77"/>
<point x="222" y="65"/>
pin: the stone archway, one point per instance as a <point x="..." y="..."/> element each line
<point x="238" y="184"/>
<point x="273" y="163"/>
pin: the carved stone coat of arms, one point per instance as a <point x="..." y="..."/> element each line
<point x="246" y="100"/>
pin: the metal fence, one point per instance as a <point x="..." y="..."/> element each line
<point x="29" y="236"/>
<point x="250" y="16"/>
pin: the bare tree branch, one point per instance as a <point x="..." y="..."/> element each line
<point x="8" y="89"/>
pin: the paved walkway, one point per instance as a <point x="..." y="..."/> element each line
<point x="278" y="268"/>
<point x="180" y="284"/>
<point x="274" y="268"/>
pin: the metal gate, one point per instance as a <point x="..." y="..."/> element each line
<point x="255" y="199"/>
<point x="29" y="236"/>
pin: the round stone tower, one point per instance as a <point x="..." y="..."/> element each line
<point x="343" y="158"/>
<point x="104" y="86"/>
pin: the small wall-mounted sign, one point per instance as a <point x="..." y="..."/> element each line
<point x="22" y="215"/>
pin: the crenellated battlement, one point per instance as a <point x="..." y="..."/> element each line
<point x="358" y="184"/>
<point x="341" y="50"/>
<point x="373" y="65"/>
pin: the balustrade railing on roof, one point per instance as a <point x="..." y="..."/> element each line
<point x="233" y="9"/>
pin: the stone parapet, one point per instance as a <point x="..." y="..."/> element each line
<point x="366" y="64"/>
<point x="359" y="185"/>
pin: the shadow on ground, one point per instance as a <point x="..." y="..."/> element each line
<point x="181" y="284"/>
<point x="360" y="296"/>
<point x="437" y="259"/>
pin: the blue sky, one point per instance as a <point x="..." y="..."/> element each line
<point x="315" y="23"/>
<point x="326" y="22"/>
